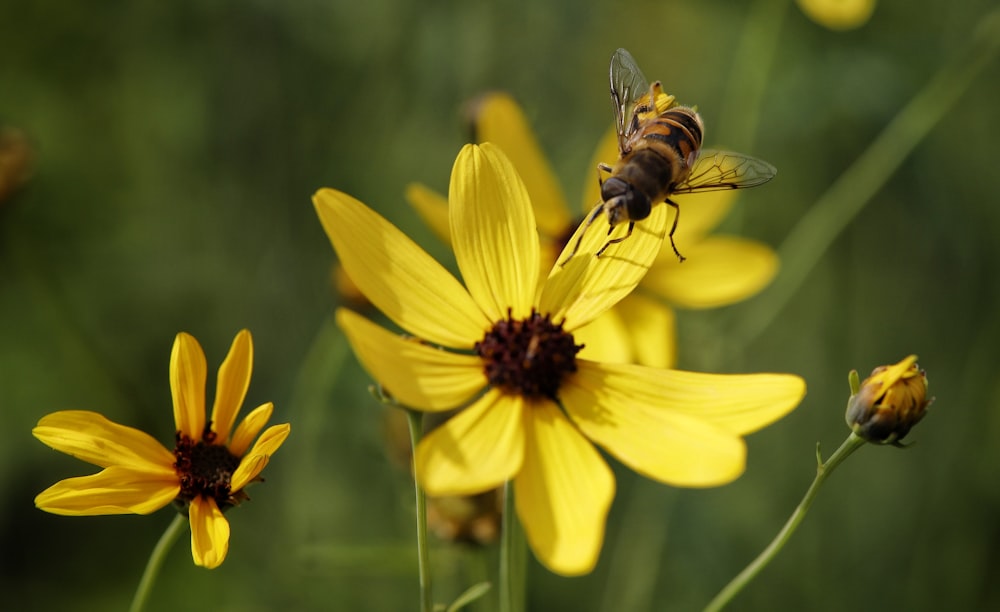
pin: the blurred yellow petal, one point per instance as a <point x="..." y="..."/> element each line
<point x="607" y="153"/>
<point x="651" y="327"/>
<point x="231" y="385"/>
<point x="397" y="276"/>
<point x="586" y="286"/>
<point x="604" y="339"/>
<point x="209" y="533"/>
<point x="187" y="385"/>
<point x="700" y="213"/>
<point x="493" y="232"/>
<point x="651" y="438"/>
<point x="719" y="270"/>
<point x="256" y="460"/>
<point x="737" y="403"/>
<point x="476" y="450"/>
<point x="249" y="427"/>
<point x="418" y="375"/>
<point x="114" y="490"/>
<point x="838" y="14"/>
<point x="93" y="438"/>
<point x="432" y="208"/>
<point x="562" y="493"/>
<point x="498" y="119"/>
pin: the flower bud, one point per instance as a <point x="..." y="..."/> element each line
<point x="16" y="160"/>
<point x="889" y="402"/>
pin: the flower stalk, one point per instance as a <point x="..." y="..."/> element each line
<point x="512" y="556"/>
<point x="823" y="470"/>
<point x="416" y="426"/>
<point x="155" y="563"/>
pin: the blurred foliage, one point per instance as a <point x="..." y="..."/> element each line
<point x="175" y="147"/>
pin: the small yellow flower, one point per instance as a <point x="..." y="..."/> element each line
<point x="838" y="14"/>
<point x="204" y="475"/>
<point x="502" y="347"/>
<point x="719" y="270"/>
<point x="889" y="402"/>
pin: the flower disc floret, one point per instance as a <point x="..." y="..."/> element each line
<point x="204" y="470"/>
<point x="528" y="357"/>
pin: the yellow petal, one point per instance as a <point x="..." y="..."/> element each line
<point x="249" y="428"/>
<point x="586" y="286"/>
<point x="418" y="375"/>
<point x="493" y="232"/>
<point x="655" y="441"/>
<point x="719" y="271"/>
<point x="93" y="438"/>
<point x="651" y="326"/>
<point x="231" y="388"/>
<point x="498" y="119"/>
<point x="114" y="490"/>
<point x="604" y="339"/>
<point x="187" y="385"/>
<point x="256" y="460"/>
<point x="209" y="533"/>
<point x="737" y="403"/>
<point x="476" y="450"/>
<point x="432" y="208"/>
<point x="397" y="276"/>
<point x="562" y="493"/>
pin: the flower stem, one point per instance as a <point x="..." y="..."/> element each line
<point x="851" y="444"/>
<point x="512" y="556"/>
<point x="848" y="195"/>
<point x="415" y="420"/>
<point x="155" y="563"/>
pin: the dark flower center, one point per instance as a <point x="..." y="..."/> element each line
<point x="529" y="357"/>
<point x="204" y="469"/>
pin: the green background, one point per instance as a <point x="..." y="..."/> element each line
<point x="176" y="149"/>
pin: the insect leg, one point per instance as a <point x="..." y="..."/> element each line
<point x="673" y="228"/>
<point x="631" y="224"/>
<point x="590" y="219"/>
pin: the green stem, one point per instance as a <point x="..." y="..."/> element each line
<point x="848" y="195"/>
<point x="415" y="420"/>
<point x="155" y="563"/>
<point x="752" y="63"/>
<point x="512" y="556"/>
<point x="823" y="470"/>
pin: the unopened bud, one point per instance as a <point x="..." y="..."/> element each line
<point x="889" y="402"/>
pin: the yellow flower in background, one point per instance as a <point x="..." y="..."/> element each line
<point x="838" y="14"/>
<point x="206" y="472"/>
<point x="503" y="346"/>
<point x="719" y="270"/>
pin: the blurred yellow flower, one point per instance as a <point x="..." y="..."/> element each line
<point x="719" y="270"/>
<point x="503" y="347"/>
<point x="205" y="473"/>
<point x="838" y="14"/>
<point x="16" y="160"/>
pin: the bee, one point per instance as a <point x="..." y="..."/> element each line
<point x="659" y="155"/>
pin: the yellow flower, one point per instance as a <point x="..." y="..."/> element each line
<point x="205" y="473"/>
<point x="719" y="270"/>
<point x="838" y="14"/>
<point x="502" y="347"/>
<point x="889" y="402"/>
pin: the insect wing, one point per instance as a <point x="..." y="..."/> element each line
<point x="627" y="85"/>
<point x="722" y="170"/>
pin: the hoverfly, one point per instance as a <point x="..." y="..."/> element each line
<point x="659" y="155"/>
